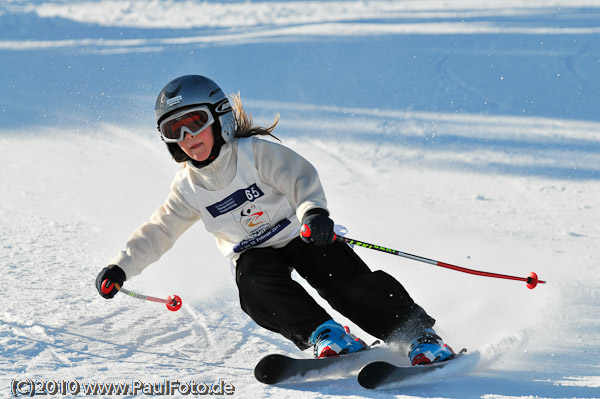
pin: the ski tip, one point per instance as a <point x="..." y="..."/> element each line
<point x="269" y="369"/>
<point x="372" y="375"/>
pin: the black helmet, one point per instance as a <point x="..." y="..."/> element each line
<point x="192" y="90"/>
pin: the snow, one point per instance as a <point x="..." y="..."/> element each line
<point x="466" y="132"/>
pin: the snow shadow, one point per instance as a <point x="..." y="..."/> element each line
<point x="517" y="146"/>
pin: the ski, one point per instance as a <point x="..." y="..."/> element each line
<point x="380" y="373"/>
<point x="276" y="368"/>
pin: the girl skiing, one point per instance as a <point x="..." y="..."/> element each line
<point x="255" y="196"/>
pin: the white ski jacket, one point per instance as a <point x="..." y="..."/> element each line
<point x="276" y="181"/>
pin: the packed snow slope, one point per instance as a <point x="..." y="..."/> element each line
<point x="465" y="131"/>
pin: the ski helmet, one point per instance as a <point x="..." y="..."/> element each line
<point x="190" y="91"/>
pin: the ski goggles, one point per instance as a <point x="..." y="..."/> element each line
<point x="192" y="121"/>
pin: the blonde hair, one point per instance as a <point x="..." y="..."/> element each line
<point x="244" y="124"/>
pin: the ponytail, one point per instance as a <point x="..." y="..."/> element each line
<point x="244" y="123"/>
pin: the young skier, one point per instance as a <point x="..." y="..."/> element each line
<point x="255" y="196"/>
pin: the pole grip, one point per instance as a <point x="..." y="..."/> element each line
<point x="305" y="231"/>
<point x="107" y="286"/>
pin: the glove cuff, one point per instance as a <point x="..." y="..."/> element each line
<point x="316" y="211"/>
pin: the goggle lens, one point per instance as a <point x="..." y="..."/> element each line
<point x="173" y="129"/>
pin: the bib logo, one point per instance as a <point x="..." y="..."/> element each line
<point x="252" y="218"/>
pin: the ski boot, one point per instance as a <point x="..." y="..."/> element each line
<point x="331" y="339"/>
<point x="429" y="348"/>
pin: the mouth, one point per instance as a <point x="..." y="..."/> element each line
<point x="196" y="146"/>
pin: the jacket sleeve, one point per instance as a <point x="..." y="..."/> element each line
<point x="155" y="237"/>
<point x="289" y="174"/>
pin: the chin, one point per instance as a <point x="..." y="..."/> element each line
<point x="200" y="159"/>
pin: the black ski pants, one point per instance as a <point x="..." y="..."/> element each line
<point x="373" y="300"/>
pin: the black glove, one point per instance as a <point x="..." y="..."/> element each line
<point x="317" y="227"/>
<point x="113" y="273"/>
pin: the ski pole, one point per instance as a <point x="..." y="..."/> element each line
<point x="173" y="302"/>
<point x="531" y="279"/>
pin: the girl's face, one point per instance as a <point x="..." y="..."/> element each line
<point x="198" y="147"/>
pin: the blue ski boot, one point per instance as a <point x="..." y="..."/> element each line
<point x="331" y="339"/>
<point x="429" y="348"/>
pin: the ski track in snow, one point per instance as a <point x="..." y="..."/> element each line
<point x="468" y="134"/>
